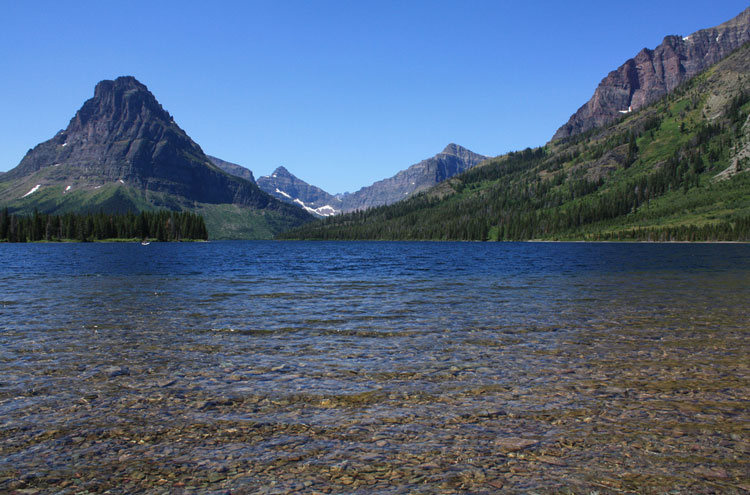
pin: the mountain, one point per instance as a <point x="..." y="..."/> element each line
<point x="653" y="73"/>
<point x="677" y="169"/>
<point x="232" y="168"/>
<point x="123" y="152"/>
<point x="286" y="187"/>
<point x="453" y="160"/>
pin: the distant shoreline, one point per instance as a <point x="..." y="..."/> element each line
<point x="501" y="242"/>
<point x="530" y="241"/>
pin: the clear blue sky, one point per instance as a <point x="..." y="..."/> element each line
<point x="342" y="93"/>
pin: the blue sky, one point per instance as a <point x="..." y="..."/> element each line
<point x="342" y="93"/>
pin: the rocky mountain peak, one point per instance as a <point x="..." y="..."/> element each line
<point x="453" y="160"/>
<point x="119" y="103"/>
<point x="466" y="155"/>
<point x="119" y="85"/>
<point x="285" y="186"/>
<point x="283" y="172"/>
<point x="453" y="149"/>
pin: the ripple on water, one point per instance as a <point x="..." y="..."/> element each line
<point x="374" y="367"/>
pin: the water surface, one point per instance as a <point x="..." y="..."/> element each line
<point x="274" y="367"/>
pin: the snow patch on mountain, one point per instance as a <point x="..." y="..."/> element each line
<point x="33" y="190"/>
<point x="279" y="191"/>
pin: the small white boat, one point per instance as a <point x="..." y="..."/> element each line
<point x="145" y="242"/>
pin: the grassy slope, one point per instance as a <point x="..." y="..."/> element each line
<point x="536" y="193"/>
<point x="224" y="221"/>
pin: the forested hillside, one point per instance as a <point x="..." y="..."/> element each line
<point x="675" y="170"/>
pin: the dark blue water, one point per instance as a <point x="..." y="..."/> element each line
<point x="339" y="335"/>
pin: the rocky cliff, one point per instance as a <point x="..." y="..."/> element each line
<point x="233" y="168"/>
<point x="653" y="73"/>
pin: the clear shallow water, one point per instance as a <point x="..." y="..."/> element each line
<point x="374" y="367"/>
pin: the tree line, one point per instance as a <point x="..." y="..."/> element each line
<point x="737" y="230"/>
<point x="83" y="227"/>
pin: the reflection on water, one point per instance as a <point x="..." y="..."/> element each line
<point x="374" y="367"/>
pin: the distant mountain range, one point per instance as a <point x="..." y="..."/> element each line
<point x="283" y="185"/>
<point x="123" y="152"/>
<point x="653" y="73"/>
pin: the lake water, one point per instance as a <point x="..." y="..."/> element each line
<point x="281" y="367"/>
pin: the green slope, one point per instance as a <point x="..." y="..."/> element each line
<point x="227" y="221"/>
<point x="676" y="170"/>
<point x="114" y="198"/>
<point x="223" y="221"/>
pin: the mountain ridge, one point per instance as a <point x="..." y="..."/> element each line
<point x="654" y="73"/>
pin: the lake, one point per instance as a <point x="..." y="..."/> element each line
<point x="356" y="367"/>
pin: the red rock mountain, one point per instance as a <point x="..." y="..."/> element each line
<point x="653" y="73"/>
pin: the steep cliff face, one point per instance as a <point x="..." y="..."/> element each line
<point x="285" y="186"/>
<point x="653" y="73"/>
<point x="453" y="160"/>
<point x="123" y="135"/>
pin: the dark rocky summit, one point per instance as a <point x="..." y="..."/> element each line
<point x="653" y="73"/>
<point x="453" y="160"/>
<point x="286" y="187"/>
<point x="123" y="136"/>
